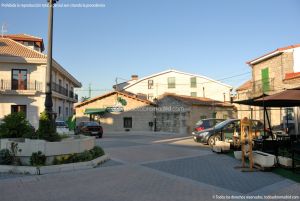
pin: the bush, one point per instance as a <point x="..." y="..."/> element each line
<point x="47" y="129"/>
<point x="97" y="152"/>
<point x="79" y="157"/>
<point x="5" y="157"/>
<point x="15" y="125"/>
<point x="37" y="159"/>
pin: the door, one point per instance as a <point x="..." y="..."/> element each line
<point x="265" y="79"/>
<point x="19" y="79"/>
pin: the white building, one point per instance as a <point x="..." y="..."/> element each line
<point x="180" y="83"/>
<point x="22" y="79"/>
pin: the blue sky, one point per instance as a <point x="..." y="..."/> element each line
<point x="213" y="37"/>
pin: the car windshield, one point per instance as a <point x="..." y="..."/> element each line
<point x="92" y="123"/>
<point x="223" y="123"/>
<point x="60" y="123"/>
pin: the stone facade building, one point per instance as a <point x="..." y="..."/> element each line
<point x="135" y="114"/>
<point x="272" y="73"/>
<point x="179" y="114"/>
<point x="22" y="79"/>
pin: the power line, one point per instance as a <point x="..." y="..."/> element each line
<point x="164" y="84"/>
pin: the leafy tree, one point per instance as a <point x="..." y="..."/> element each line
<point x="15" y="125"/>
<point x="84" y="98"/>
<point x="47" y="128"/>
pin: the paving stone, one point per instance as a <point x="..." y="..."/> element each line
<point x="110" y="163"/>
<point x="114" y="144"/>
<point x="217" y="170"/>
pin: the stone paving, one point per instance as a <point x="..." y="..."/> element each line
<point x="150" y="168"/>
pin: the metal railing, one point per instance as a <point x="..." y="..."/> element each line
<point x="260" y="87"/>
<point x="59" y="89"/>
<point x="29" y="85"/>
<point x="63" y="91"/>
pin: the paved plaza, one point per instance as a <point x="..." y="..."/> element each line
<point x="150" y="168"/>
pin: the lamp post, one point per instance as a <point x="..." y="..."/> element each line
<point x="48" y="100"/>
<point x="155" y="101"/>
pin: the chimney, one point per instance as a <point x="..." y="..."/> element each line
<point x="134" y="77"/>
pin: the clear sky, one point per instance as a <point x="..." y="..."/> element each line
<point x="210" y="37"/>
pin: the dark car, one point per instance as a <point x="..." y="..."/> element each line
<point x="89" y="128"/>
<point x="207" y="123"/>
<point x="228" y="128"/>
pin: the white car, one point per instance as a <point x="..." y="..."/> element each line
<point x="61" y="127"/>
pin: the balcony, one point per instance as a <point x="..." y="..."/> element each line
<point x="63" y="91"/>
<point x="261" y="87"/>
<point x="7" y="85"/>
<point x="59" y="89"/>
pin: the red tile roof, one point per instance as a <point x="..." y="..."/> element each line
<point x="129" y="95"/>
<point x="25" y="37"/>
<point x="11" y="48"/>
<point x="278" y="50"/>
<point x="22" y="36"/>
<point x="289" y="76"/>
<point x="196" y="100"/>
<point x="245" y="86"/>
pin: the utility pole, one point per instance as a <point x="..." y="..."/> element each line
<point x="90" y="90"/>
<point x="48" y="100"/>
<point x="51" y="116"/>
<point x="116" y="80"/>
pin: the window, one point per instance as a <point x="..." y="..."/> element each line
<point x="194" y="94"/>
<point x="150" y="84"/>
<point x="193" y="82"/>
<point x="59" y="111"/>
<point x="171" y="82"/>
<point x="203" y="117"/>
<point x="265" y="79"/>
<point x="150" y="96"/>
<point x="127" y="122"/>
<point x="19" y="108"/>
<point x="19" y="79"/>
<point x="67" y="111"/>
<point x="67" y="89"/>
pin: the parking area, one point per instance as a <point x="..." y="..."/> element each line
<point x="150" y="167"/>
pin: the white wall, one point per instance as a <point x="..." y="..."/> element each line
<point x="297" y="59"/>
<point x="213" y="90"/>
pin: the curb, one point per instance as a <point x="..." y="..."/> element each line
<point x="53" y="168"/>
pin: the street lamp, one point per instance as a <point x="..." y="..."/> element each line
<point x="155" y="101"/>
<point x="48" y="99"/>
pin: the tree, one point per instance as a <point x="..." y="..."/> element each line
<point x="15" y="125"/>
<point x="84" y="98"/>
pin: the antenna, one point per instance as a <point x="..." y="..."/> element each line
<point x="3" y="29"/>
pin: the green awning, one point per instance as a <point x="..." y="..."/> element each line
<point x="95" y="111"/>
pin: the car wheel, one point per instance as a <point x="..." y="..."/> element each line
<point x="217" y="138"/>
<point x="100" y="136"/>
<point x="211" y="141"/>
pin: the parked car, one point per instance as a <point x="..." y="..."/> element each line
<point x="91" y="128"/>
<point x="207" y="123"/>
<point x="229" y="129"/>
<point x="61" y="127"/>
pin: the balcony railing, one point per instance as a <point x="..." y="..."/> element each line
<point x="59" y="89"/>
<point x="29" y="85"/>
<point x="63" y="91"/>
<point x="260" y="87"/>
